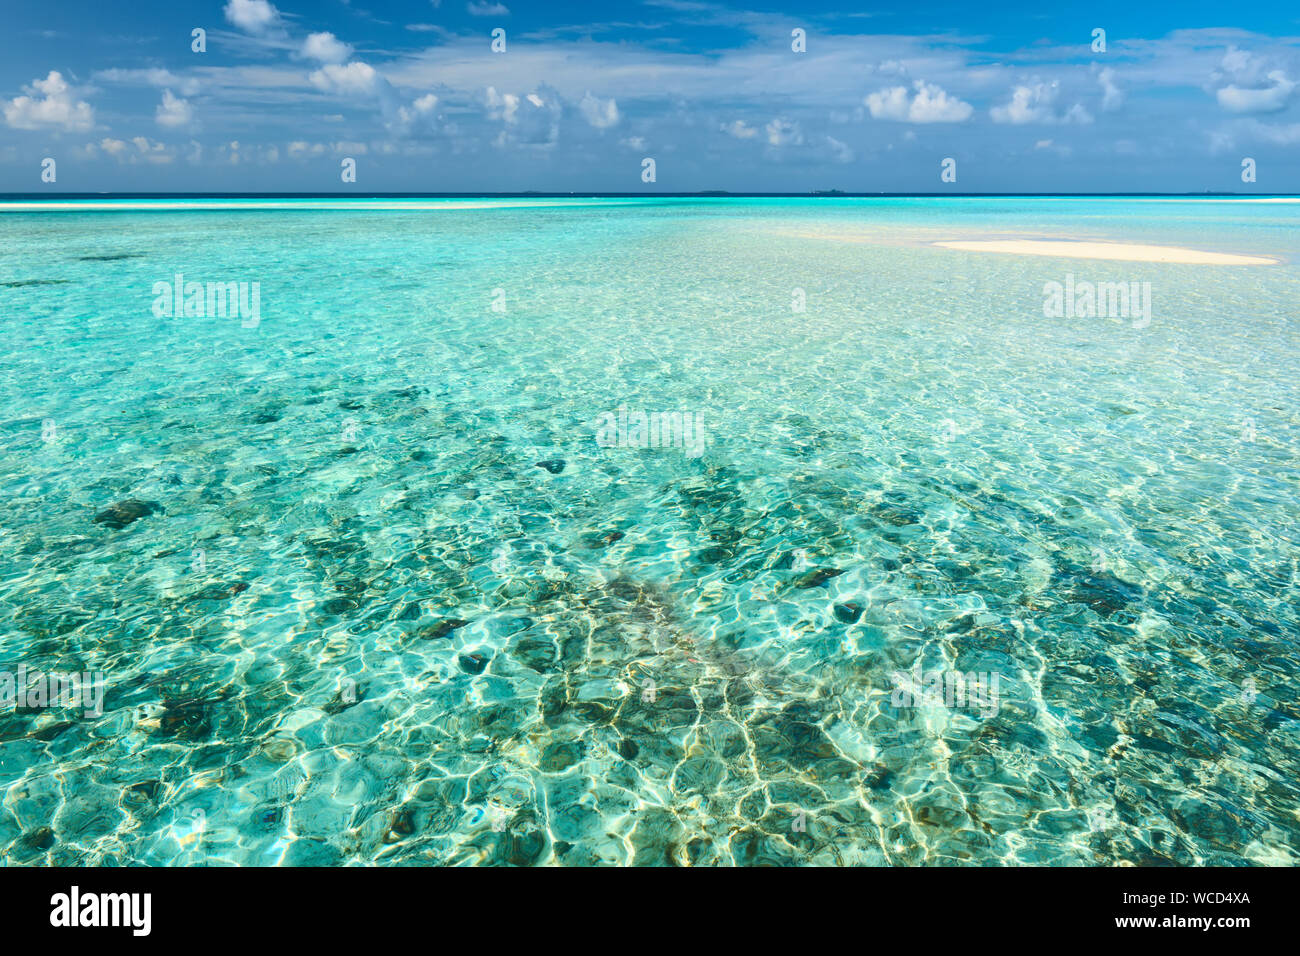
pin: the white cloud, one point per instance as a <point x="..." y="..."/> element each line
<point x="783" y="132"/>
<point x="840" y="152"/>
<point x="253" y="16"/>
<point x="50" y="103"/>
<point x="1112" y="97"/>
<point x="154" y="76"/>
<point x="931" y="104"/>
<point x="1036" y="104"/>
<point x="501" y="106"/>
<point x="146" y="150"/>
<point x="739" y="130"/>
<point x="173" y="111"/>
<point x="418" y="114"/>
<point x="601" y="114"/>
<point x="326" y="48"/>
<point x="356" y="77"/>
<point x="150" y="151"/>
<point x="1240" y="67"/>
<point x="531" y="120"/>
<point x="1028" y="104"/>
<point x="1269" y="99"/>
<point x="1050" y="146"/>
<point x="488" y="10"/>
<point x="1077" y="114"/>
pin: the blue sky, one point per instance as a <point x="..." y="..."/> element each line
<point x="584" y="92"/>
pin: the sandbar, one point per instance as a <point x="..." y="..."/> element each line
<point x="1115" y="251"/>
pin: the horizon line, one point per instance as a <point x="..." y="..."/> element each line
<point x="699" y="194"/>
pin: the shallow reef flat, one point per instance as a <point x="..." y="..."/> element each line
<point x="365" y="588"/>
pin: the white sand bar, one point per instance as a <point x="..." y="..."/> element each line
<point x="1116" y="251"/>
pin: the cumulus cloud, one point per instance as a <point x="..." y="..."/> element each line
<point x="739" y="130"/>
<point x="930" y="104"/>
<point x="601" y="114"/>
<point x="173" y="111"/>
<point x="145" y="150"/>
<point x="1241" y="67"/>
<point x="253" y="16"/>
<point x="326" y="48"/>
<point x="49" y="104"/>
<point x="150" y="151"/>
<point x="1246" y="82"/>
<point x="418" y="117"/>
<point x="531" y="120"/>
<point x="1037" y="104"/>
<point x="488" y="10"/>
<point x="1112" y="97"/>
<point x="355" y="78"/>
<point x="783" y="132"/>
<point x="501" y="106"/>
<point x="1268" y="99"/>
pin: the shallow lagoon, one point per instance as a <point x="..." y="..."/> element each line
<point x="396" y="604"/>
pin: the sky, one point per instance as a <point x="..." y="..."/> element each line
<point x="577" y="96"/>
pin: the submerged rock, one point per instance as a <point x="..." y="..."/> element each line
<point x="41" y="838"/>
<point x="560" y="756"/>
<point x="219" y="592"/>
<point x="144" y="792"/>
<point x="816" y="577"/>
<point x="118" y="516"/>
<point x="599" y="539"/>
<point x="628" y="749"/>
<point x="403" y="826"/>
<point x="848" y="612"/>
<point x="340" y="605"/>
<point x="413" y="391"/>
<point x="553" y="465"/>
<point x="441" y="629"/>
<point x="474" y="663"/>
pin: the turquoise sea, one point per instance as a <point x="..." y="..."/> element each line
<point x="364" y="587"/>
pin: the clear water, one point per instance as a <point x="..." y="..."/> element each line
<point x="365" y="626"/>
